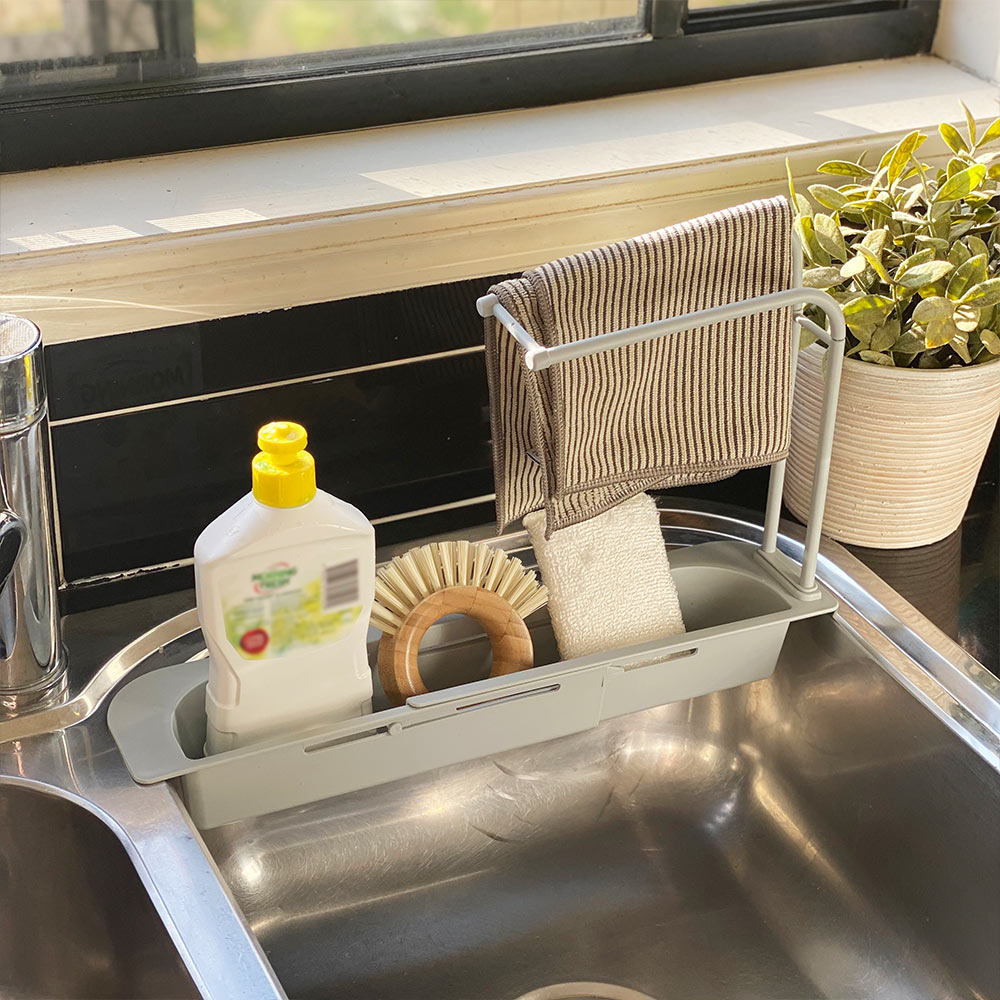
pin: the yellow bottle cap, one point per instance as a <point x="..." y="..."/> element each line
<point x="284" y="473"/>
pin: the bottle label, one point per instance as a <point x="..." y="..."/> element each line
<point x="277" y="608"/>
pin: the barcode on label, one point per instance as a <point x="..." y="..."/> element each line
<point x="340" y="585"/>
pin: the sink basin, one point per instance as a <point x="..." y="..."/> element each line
<point x="75" y="919"/>
<point x="830" y="832"/>
<point x="816" y="834"/>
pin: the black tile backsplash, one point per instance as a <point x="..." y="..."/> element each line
<point x="136" y="488"/>
<point x="153" y="432"/>
<point x="176" y="362"/>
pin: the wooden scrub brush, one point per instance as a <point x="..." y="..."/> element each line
<point x="443" y="578"/>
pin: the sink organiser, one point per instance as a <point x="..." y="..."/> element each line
<point x="737" y="599"/>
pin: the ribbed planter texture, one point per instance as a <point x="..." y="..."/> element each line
<point x="908" y="447"/>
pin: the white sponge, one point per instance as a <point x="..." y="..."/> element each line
<point x="608" y="578"/>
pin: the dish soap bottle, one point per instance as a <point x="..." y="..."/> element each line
<point x="285" y="581"/>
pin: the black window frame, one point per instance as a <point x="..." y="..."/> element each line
<point x="678" y="48"/>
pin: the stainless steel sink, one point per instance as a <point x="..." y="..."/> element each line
<point x="76" y="920"/>
<point x="818" y="834"/>
<point x="105" y="887"/>
<point x="830" y="832"/>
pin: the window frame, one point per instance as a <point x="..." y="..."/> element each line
<point x="678" y="48"/>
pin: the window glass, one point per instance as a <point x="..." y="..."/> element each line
<point x="80" y="45"/>
<point x="230" y="30"/>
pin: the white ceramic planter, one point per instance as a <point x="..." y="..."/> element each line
<point x="908" y="447"/>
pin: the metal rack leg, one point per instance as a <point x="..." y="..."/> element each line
<point x="821" y="473"/>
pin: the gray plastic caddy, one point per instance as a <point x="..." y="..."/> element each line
<point x="737" y="601"/>
<point x="737" y="614"/>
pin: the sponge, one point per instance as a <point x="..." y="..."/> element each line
<point x="608" y="579"/>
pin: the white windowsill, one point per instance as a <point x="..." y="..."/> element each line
<point x="110" y="248"/>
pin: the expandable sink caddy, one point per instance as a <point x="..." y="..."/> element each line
<point x="737" y="600"/>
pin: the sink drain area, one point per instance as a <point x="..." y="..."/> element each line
<point x="584" y="991"/>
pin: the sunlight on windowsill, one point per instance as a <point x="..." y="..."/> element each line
<point x="111" y="247"/>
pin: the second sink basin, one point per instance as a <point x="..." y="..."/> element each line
<point x="75" y="920"/>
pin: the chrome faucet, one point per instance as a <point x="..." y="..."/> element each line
<point x="32" y="662"/>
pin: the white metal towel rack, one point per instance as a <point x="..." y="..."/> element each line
<point x="538" y="358"/>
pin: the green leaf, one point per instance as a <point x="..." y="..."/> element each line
<point x="843" y="169"/>
<point x="976" y="246"/>
<point x="963" y="183"/>
<point x="938" y="245"/>
<point x="961" y="347"/>
<point x="910" y="342"/>
<point x="885" y="336"/>
<point x="978" y="200"/>
<point x="940" y="332"/>
<point x="966" y="275"/>
<point x="990" y="340"/>
<point x="806" y="232"/>
<point x="959" y="253"/>
<point x="875" y="240"/>
<point x="954" y="166"/>
<point x="986" y="293"/>
<point x="915" y="194"/>
<point x="933" y="310"/>
<point x="920" y="257"/>
<point x="875" y="261"/>
<point x="879" y="208"/>
<point x="877" y="358"/>
<point x="867" y="310"/>
<point x="923" y="274"/>
<point x="971" y="122"/>
<point x="829" y="236"/>
<point x="900" y="158"/>
<point x="855" y="266"/>
<point x="967" y="318"/>
<point x="802" y="205"/>
<point x="822" y="277"/>
<point x="953" y="138"/>
<point x="990" y="135"/>
<point x="827" y="196"/>
<point x="791" y="183"/>
<point x="940" y="224"/>
<point x="914" y="220"/>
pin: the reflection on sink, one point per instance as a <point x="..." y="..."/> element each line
<point x="817" y="834"/>
<point x="75" y="920"/>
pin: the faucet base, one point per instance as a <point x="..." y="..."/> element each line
<point x="48" y="690"/>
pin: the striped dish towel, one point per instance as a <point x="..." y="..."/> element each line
<point x="587" y="434"/>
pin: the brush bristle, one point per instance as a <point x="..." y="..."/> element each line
<point x="401" y="584"/>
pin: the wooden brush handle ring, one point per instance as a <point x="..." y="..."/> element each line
<point x="397" y="654"/>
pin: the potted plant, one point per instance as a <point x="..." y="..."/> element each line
<point x="913" y="256"/>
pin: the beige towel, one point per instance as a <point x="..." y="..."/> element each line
<point x="694" y="407"/>
<point x="608" y="579"/>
